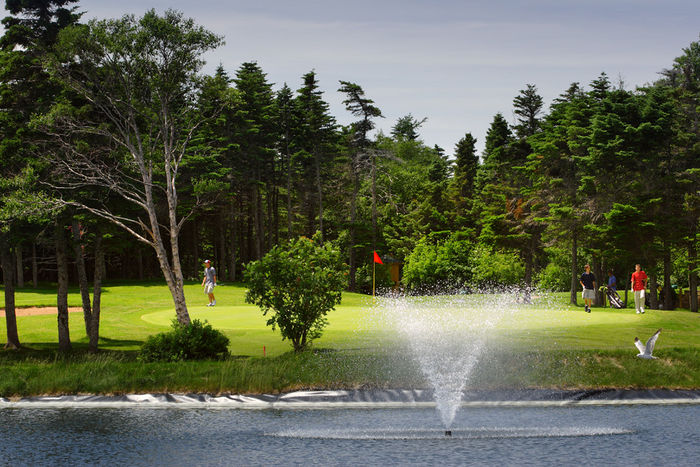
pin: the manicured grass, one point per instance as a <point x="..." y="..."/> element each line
<point x="547" y="344"/>
<point x="132" y="312"/>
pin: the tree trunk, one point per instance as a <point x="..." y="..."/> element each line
<point x="574" y="270"/>
<point x="310" y="214"/>
<point x="196" y="260"/>
<point x="668" y="298"/>
<point x="35" y="267"/>
<point x="64" y="343"/>
<point x="94" y="328"/>
<point x="627" y="286"/>
<point x="221" y="271"/>
<point x="8" y="282"/>
<point x="597" y="269"/>
<point x="20" y="265"/>
<point x="289" y="196"/>
<point x="171" y="266"/>
<point x="529" y="260"/>
<point x="692" y="276"/>
<point x="276" y="215"/>
<point x="528" y="265"/>
<point x="353" y="220"/>
<point x="653" y="287"/>
<point x="82" y="275"/>
<point x="232" y="243"/>
<point x="177" y="286"/>
<point x="139" y="260"/>
<point x="257" y="222"/>
<point x="319" y="190"/>
<point x="248" y="242"/>
<point x="270" y="225"/>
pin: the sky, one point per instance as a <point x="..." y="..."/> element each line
<point x="456" y="63"/>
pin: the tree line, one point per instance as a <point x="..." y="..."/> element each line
<point x="111" y="133"/>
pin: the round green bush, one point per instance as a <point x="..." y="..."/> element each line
<point x="439" y="263"/>
<point x="196" y="341"/>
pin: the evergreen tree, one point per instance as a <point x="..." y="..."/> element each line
<point x="406" y="127"/>
<point x="362" y="153"/>
<point x="314" y="143"/>
<point x="286" y="124"/>
<point x="684" y="80"/>
<point x="556" y="173"/>
<point x="527" y="108"/>
<point x="506" y="213"/>
<point x="465" y="168"/>
<point x="256" y="137"/>
<point x="211" y="176"/>
<point x="25" y="90"/>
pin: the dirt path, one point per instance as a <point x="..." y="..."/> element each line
<point x="43" y="310"/>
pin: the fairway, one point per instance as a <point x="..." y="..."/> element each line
<point x="548" y="343"/>
<point x="131" y="312"/>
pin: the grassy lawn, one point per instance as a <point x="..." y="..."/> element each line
<point x="547" y="344"/>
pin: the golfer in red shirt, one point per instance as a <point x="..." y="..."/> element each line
<point x="639" y="283"/>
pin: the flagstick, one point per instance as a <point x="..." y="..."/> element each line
<point x="374" y="269"/>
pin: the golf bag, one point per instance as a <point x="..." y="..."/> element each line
<point x="614" y="298"/>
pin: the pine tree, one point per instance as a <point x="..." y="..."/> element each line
<point x="362" y="152"/>
<point x="256" y="136"/>
<point x="314" y="143"/>
<point x="555" y="170"/>
<point x="406" y="127"/>
<point x="683" y="78"/>
<point x="287" y="124"/>
<point x="25" y="90"/>
<point x="465" y="169"/>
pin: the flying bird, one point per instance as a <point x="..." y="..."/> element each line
<point x="645" y="352"/>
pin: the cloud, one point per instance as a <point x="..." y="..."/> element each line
<point x="457" y="62"/>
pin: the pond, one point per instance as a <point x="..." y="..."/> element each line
<point x="609" y="434"/>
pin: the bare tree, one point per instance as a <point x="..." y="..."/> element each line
<point x="140" y="80"/>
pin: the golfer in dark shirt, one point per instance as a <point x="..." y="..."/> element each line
<point x="588" y="283"/>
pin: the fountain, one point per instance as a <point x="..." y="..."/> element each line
<point x="446" y="335"/>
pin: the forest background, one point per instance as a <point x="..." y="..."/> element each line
<point x="121" y="160"/>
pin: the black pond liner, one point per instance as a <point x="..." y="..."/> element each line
<point x="368" y="399"/>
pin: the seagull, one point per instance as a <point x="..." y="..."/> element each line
<point x="645" y="352"/>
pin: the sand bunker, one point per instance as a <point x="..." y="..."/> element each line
<point x="39" y="310"/>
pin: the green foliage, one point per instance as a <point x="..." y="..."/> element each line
<point x="442" y="263"/>
<point x="382" y="278"/>
<point x="298" y="284"/>
<point x="554" y="277"/>
<point x="196" y="341"/>
<point x="406" y="128"/>
<point x="495" y="267"/>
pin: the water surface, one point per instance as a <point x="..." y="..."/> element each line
<point x="610" y="435"/>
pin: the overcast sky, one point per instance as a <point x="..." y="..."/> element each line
<point x="455" y="62"/>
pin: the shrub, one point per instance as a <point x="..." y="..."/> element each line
<point x="298" y="284"/>
<point x="196" y="341"/>
<point x="436" y="263"/>
<point x="556" y="276"/>
<point x="493" y="267"/>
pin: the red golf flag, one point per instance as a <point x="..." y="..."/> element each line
<point x="377" y="259"/>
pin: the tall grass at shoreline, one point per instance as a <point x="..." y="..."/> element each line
<point x="114" y="373"/>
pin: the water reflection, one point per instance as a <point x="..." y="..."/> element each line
<point x="616" y="435"/>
